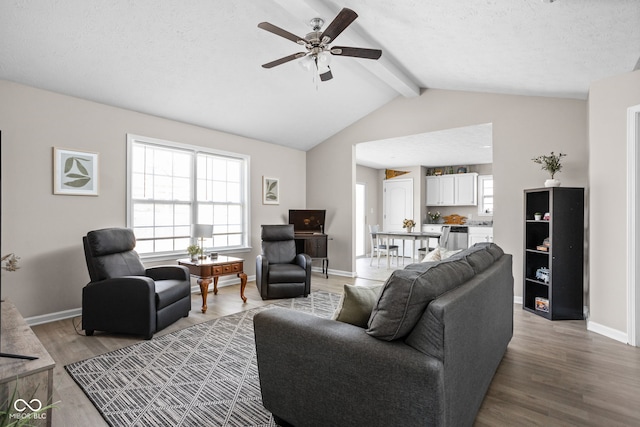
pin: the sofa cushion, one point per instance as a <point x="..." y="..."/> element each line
<point x="479" y="258"/>
<point x="356" y="304"/>
<point x="407" y="293"/>
<point x="495" y="250"/>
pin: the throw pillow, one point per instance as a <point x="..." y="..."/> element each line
<point x="446" y="253"/>
<point x="356" y="304"/>
<point x="407" y="293"/>
<point x="434" y="255"/>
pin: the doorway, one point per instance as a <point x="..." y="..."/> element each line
<point x="633" y="250"/>
<point x="361" y="219"/>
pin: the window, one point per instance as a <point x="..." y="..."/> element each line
<point x="171" y="186"/>
<point x="485" y="195"/>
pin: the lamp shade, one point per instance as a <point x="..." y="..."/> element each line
<point x="201" y="230"/>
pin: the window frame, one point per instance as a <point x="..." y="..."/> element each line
<point x="481" y="207"/>
<point x="194" y="150"/>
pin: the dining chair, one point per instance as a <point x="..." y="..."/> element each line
<point x="377" y="247"/>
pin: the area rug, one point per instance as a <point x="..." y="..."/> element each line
<point x="204" y="375"/>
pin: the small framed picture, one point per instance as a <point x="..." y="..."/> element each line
<point x="270" y="191"/>
<point x="542" y="304"/>
<point x="75" y="172"/>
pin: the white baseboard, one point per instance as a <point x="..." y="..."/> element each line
<point x="75" y="312"/>
<point x="608" y="332"/>
<point x="517" y="300"/>
<point x="334" y="272"/>
<point x="52" y="317"/>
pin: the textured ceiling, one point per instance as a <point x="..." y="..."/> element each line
<point x="199" y="61"/>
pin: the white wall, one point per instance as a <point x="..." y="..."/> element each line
<point x="46" y="230"/>
<point x="608" y="103"/>
<point x="523" y="127"/>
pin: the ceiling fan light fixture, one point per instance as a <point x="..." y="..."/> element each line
<point x="318" y="55"/>
<point x="324" y="59"/>
<point x="307" y="63"/>
<point x="322" y="70"/>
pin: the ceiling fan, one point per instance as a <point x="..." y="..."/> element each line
<point x="317" y="42"/>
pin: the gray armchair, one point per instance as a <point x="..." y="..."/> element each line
<point x="280" y="272"/>
<point x="124" y="296"/>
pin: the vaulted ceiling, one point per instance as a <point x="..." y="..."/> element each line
<point x="200" y="61"/>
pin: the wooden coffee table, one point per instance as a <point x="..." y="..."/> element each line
<point x="208" y="270"/>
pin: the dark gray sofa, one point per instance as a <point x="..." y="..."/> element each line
<point x="434" y="372"/>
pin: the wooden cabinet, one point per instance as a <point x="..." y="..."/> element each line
<point x="452" y="190"/>
<point x="554" y="252"/>
<point x="480" y="234"/>
<point x="30" y="380"/>
<point x="315" y="245"/>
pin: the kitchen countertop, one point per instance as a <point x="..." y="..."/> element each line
<point x="470" y="224"/>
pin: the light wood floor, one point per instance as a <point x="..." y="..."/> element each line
<point x="553" y="374"/>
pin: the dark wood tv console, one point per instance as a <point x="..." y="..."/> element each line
<point x="314" y="245"/>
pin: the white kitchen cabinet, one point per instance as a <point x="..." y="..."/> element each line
<point x="466" y="189"/>
<point x="452" y="190"/>
<point x="440" y="190"/>
<point x="480" y="234"/>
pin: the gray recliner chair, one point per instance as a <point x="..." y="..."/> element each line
<point x="280" y="272"/>
<point x="124" y="296"/>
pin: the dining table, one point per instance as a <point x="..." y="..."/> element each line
<point x="414" y="236"/>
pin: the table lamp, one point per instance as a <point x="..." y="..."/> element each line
<point x="201" y="231"/>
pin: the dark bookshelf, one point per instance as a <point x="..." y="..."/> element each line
<point x="561" y="291"/>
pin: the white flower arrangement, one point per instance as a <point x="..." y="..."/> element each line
<point x="408" y="223"/>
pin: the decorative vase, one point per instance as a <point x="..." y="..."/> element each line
<point x="552" y="183"/>
<point x="409" y="229"/>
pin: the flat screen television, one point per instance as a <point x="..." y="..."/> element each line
<point x="307" y="220"/>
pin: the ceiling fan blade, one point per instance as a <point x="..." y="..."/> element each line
<point x="283" y="60"/>
<point x="282" y="33"/>
<point x="326" y="76"/>
<point x="358" y="52"/>
<point x="342" y="21"/>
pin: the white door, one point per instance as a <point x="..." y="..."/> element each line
<point x="397" y="202"/>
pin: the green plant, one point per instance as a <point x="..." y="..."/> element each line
<point x="551" y="163"/>
<point x="194" y="250"/>
<point x="433" y="216"/>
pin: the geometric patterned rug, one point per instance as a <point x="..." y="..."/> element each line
<point x="203" y="375"/>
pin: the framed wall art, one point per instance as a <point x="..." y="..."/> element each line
<point x="270" y="191"/>
<point x="75" y="172"/>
